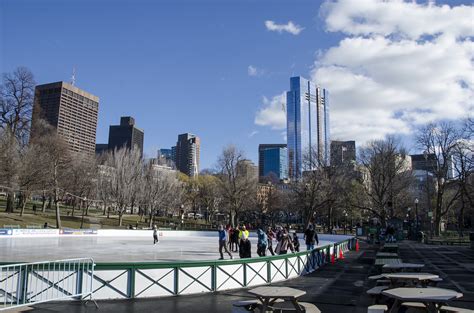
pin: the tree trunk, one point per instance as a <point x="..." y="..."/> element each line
<point x="58" y="213"/>
<point x="43" y="204"/>
<point x="10" y="201"/>
<point x="120" y="217"/>
<point x="73" y="207"/>
<point x="23" y="205"/>
<point x="105" y="209"/>
<point x="152" y="219"/>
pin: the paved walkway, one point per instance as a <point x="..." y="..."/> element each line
<point x="336" y="288"/>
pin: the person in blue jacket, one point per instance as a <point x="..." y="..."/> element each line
<point x="262" y="242"/>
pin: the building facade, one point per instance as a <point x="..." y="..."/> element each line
<point x="187" y="154"/>
<point x="343" y="153"/>
<point x="307" y="112"/>
<point x="126" y="135"/>
<point x="273" y="158"/>
<point x="71" y="111"/>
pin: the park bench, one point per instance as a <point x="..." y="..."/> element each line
<point x="376" y="292"/>
<point x="286" y="307"/>
<point x="451" y="309"/>
<point x="11" y="226"/>
<point x="377" y="308"/>
<point x="36" y="226"/>
<point x="248" y="305"/>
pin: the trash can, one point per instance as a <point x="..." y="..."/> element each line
<point x="471" y="238"/>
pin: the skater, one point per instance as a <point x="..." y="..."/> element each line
<point x="285" y="243"/>
<point x="296" y="242"/>
<point x="262" y="242"/>
<point x="310" y="237"/>
<point x="223" y="237"/>
<point x="270" y="236"/>
<point x="245" y="248"/>
<point x="155" y="235"/>
<point x="235" y="239"/>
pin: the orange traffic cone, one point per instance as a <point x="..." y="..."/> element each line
<point x="341" y="255"/>
<point x="357" y="245"/>
<point x="332" y="258"/>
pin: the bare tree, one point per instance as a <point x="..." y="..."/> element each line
<point x="389" y="177"/>
<point x="16" y="101"/>
<point x="441" y="140"/>
<point x="127" y="170"/>
<point x="238" y="185"/>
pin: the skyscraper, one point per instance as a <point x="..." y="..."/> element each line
<point x="343" y="152"/>
<point x="187" y="154"/>
<point x="307" y="112"/>
<point x="273" y="158"/>
<point x="72" y="111"/>
<point x="126" y="135"/>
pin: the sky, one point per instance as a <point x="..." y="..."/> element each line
<point x="219" y="69"/>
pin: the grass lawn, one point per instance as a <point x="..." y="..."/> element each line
<point x="94" y="219"/>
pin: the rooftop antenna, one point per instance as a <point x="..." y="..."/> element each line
<point x="73" y="77"/>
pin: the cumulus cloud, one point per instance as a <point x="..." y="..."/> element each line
<point x="272" y="113"/>
<point x="289" y="27"/>
<point x="400" y="65"/>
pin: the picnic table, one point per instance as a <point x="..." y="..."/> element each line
<point x="409" y="278"/>
<point x="386" y="255"/>
<point x="383" y="262"/>
<point x="269" y="295"/>
<point x="390" y="247"/>
<point x="402" y="266"/>
<point x="432" y="298"/>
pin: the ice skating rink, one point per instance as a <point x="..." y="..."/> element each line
<point x="128" y="248"/>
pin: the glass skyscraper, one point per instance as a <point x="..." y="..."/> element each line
<point x="307" y="113"/>
<point x="272" y="158"/>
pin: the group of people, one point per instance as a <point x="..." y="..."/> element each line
<point x="237" y="240"/>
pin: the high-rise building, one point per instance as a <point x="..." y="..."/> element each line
<point x="72" y="111"/>
<point x="343" y="152"/>
<point x="246" y="167"/>
<point x="101" y="148"/>
<point x="187" y="154"/>
<point x="424" y="162"/>
<point x="126" y="135"/>
<point x="273" y="158"/>
<point x="307" y="112"/>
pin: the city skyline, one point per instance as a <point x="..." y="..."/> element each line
<point x="369" y="96"/>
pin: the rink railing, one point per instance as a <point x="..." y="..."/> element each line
<point x="38" y="282"/>
<point x="147" y="279"/>
<point x="57" y="280"/>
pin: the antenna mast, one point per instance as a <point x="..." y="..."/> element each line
<point x="73" y="77"/>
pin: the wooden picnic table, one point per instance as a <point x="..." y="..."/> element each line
<point x="403" y="266"/>
<point x="383" y="262"/>
<point x="432" y="298"/>
<point x="269" y="295"/>
<point x="409" y="278"/>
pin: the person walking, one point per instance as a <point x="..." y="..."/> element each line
<point x="270" y="237"/>
<point x="223" y="237"/>
<point x="155" y="235"/>
<point x="262" y="242"/>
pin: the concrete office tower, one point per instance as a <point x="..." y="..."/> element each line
<point x="273" y="158"/>
<point x="72" y="111"/>
<point x="126" y="135"/>
<point x="307" y="112"/>
<point x="343" y="152"/>
<point x="187" y="154"/>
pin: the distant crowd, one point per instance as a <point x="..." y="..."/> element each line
<point x="236" y="239"/>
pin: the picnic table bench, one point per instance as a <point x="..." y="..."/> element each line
<point x="382" y="262"/>
<point x="269" y="297"/>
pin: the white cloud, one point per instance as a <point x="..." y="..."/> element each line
<point x="272" y="113"/>
<point x="254" y="71"/>
<point x="289" y="27"/>
<point x="253" y="133"/>
<point x="401" y="64"/>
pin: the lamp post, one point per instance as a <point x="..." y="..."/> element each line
<point x="409" y="230"/>
<point x="416" y="218"/>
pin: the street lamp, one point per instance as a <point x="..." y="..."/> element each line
<point x="416" y="218"/>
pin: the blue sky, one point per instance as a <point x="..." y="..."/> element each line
<point x="183" y="66"/>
